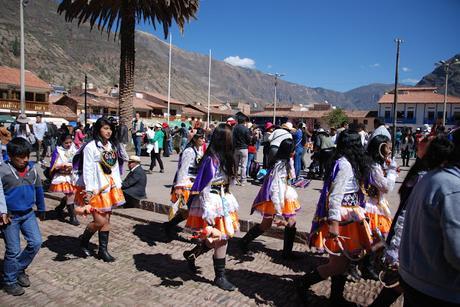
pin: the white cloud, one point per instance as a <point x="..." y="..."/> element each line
<point x="406" y="69"/>
<point x="410" y="81"/>
<point x="242" y="62"/>
<point x="375" y="65"/>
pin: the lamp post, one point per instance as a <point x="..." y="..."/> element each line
<point x="276" y="75"/>
<point x="22" y="4"/>
<point x="169" y="78"/>
<point x="86" y="104"/>
<point x="395" y="101"/>
<point x="446" y="66"/>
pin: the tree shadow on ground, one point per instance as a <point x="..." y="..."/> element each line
<point x="269" y="289"/>
<point x="302" y="261"/>
<point x="154" y="232"/>
<point x="166" y="268"/>
<point x="65" y="247"/>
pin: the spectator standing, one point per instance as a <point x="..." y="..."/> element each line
<point x="157" y="142"/>
<point x="364" y="136"/>
<point x="241" y="140"/>
<point x="177" y="139"/>
<point x="79" y="137"/>
<point x="39" y="130"/>
<point x="134" y="184"/>
<point x="398" y="139"/>
<point x="183" y="136"/>
<point x="429" y="256"/>
<point x="252" y="153"/>
<point x="5" y="138"/>
<point x="122" y="134"/>
<point x="379" y="128"/>
<point x="269" y="127"/>
<point x="297" y="136"/>
<point x="167" y="141"/>
<point x="21" y="191"/>
<point x="22" y="129"/>
<point x="407" y="146"/>
<point x="326" y="149"/>
<point x="137" y="132"/>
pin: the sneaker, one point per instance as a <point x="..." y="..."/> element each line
<point x="14" y="289"/>
<point x="162" y="170"/>
<point x="23" y="280"/>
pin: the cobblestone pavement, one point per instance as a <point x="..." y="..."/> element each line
<point x="151" y="271"/>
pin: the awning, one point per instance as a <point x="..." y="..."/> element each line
<point x="6" y="119"/>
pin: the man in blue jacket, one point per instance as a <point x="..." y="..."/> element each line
<point x="430" y="246"/>
<point x="22" y="189"/>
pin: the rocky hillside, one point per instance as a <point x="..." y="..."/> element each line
<point x="62" y="53"/>
<point x="438" y="78"/>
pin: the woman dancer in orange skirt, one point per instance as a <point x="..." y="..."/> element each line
<point x="64" y="179"/>
<point x="100" y="184"/>
<point x="212" y="208"/>
<point x="340" y="225"/>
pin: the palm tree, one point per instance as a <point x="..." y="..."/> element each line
<point x="122" y="16"/>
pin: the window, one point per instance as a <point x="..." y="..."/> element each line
<point x="40" y="97"/>
<point x="173" y="112"/>
<point x="113" y="113"/>
<point x="29" y="96"/>
<point x="387" y="114"/>
<point x="365" y="121"/>
<point x="410" y="114"/>
<point x="105" y="111"/>
<point x="400" y="114"/>
<point x="440" y="114"/>
<point x="3" y="94"/>
<point x="430" y="115"/>
<point x="456" y="115"/>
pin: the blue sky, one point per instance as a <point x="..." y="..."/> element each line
<point x="335" y="44"/>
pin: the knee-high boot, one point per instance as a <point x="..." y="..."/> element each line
<point x="191" y="255"/>
<point x="289" y="237"/>
<point x="84" y="242"/>
<point x="72" y="217"/>
<point x="386" y="298"/>
<point x="337" y="287"/>
<point x="220" y="280"/>
<point x="169" y="226"/>
<point x="59" y="209"/>
<point x="253" y="233"/>
<point x="103" y="242"/>
<point x="303" y="285"/>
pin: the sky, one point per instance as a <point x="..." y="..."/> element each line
<point x="334" y="44"/>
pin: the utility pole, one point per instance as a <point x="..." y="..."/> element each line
<point x="446" y="66"/>
<point x="395" y="101"/>
<point x="209" y="89"/>
<point x="276" y="75"/>
<point x="22" y="4"/>
<point x="169" y="78"/>
<point x="86" y="103"/>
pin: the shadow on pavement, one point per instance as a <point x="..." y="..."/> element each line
<point x="268" y="289"/>
<point x="153" y="232"/>
<point x="166" y="268"/>
<point x="65" y="247"/>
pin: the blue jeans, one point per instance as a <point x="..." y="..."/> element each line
<point x="251" y="157"/>
<point x="183" y="144"/>
<point x="298" y="161"/>
<point x="137" y="140"/>
<point x="16" y="261"/>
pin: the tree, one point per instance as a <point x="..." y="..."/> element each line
<point x="336" y="117"/>
<point x="122" y="16"/>
<point x="16" y="48"/>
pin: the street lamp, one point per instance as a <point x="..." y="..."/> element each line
<point x="276" y="75"/>
<point x="22" y="4"/>
<point x="446" y="66"/>
<point x="395" y="101"/>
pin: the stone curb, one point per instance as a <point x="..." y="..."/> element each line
<point x="245" y="225"/>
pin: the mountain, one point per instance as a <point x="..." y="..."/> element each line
<point x="62" y="53"/>
<point x="438" y="78"/>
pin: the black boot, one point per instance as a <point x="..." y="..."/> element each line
<point x="337" y="287"/>
<point x="72" y="218"/>
<point x="304" y="283"/>
<point x="60" y="208"/>
<point x="103" y="242"/>
<point x="386" y="298"/>
<point x="367" y="268"/>
<point x="84" y="242"/>
<point x="191" y="255"/>
<point x="220" y="280"/>
<point x="253" y="233"/>
<point x="289" y="236"/>
<point x="168" y="227"/>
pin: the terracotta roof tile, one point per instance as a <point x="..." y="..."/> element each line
<point x="11" y="76"/>
<point x="144" y="104"/>
<point x="418" y="95"/>
<point x="62" y="112"/>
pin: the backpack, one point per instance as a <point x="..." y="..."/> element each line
<point x="254" y="169"/>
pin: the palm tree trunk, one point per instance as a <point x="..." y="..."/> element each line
<point x="127" y="59"/>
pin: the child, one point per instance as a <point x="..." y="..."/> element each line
<point x="212" y="204"/>
<point x="63" y="177"/>
<point x="276" y="198"/>
<point x="99" y="185"/>
<point x="22" y="189"/>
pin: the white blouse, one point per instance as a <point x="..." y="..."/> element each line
<point x="188" y="159"/>
<point x="344" y="183"/>
<point x="94" y="178"/>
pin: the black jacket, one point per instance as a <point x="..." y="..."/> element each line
<point x="122" y="134"/>
<point x="135" y="183"/>
<point x="241" y="137"/>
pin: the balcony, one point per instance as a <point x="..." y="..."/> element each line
<point x="15" y="106"/>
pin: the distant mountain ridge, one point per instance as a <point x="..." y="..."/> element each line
<point x="62" y="53"/>
<point x="437" y="78"/>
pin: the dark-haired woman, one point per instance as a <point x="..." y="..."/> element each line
<point x="101" y="184"/>
<point x="186" y="173"/>
<point x="339" y="224"/>
<point x="64" y="178"/>
<point x="434" y="153"/>
<point x="276" y="198"/>
<point x="212" y="208"/>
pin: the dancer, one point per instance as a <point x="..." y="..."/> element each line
<point x="276" y="198"/>
<point x="212" y="204"/>
<point x="340" y="224"/>
<point x="64" y="179"/>
<point x="99" y="184"/>
<point x="183" y="181"/>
